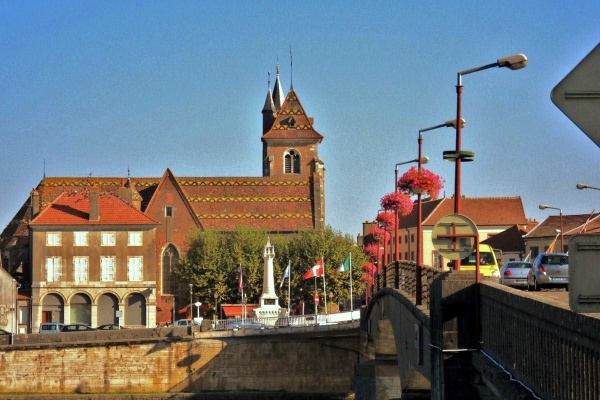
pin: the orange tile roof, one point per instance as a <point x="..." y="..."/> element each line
<point x="72" y="208"/>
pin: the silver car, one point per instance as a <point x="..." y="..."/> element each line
<point x="549" y="270"/>
<point x="514" y="273"/>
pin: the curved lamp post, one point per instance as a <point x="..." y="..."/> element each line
<point x="419" y="270"/>
<point x="420" y="160"/>
<point x="562" y="242"/>
<point x="512" y="62"/>
<point x="582" y="186"/>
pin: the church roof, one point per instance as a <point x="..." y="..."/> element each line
<point x="291" y="122"/>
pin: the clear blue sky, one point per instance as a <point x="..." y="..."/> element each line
<point x="102" y="86"/>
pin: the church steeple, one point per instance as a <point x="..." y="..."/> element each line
<point x="278" y="96"/>
<point x="268" y="110"/>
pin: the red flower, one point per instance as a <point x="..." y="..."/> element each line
<point x="371" y="250"/>
<point x="387" y="220"/>
<point x="415" y="182"/>
<point x="369" y="268"/>
<point x="397" y="201"/>
<point x="379" y="233"/>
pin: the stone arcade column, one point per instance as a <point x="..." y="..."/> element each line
<point x="269" y="302"/>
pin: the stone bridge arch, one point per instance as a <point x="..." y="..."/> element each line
<point x="394" y="347"/>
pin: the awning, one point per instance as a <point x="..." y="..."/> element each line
<point x="237" y="310"/>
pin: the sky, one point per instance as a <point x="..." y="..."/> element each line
<point x="105" y="87"/>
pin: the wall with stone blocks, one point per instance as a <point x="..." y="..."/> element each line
<point x="308" y="363"/>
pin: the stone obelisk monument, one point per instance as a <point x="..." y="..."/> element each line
<point x="269" y="302"/>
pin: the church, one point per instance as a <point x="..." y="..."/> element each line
<point x="44" y="245"/>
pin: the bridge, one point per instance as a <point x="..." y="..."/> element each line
<point x="469" y="341"/>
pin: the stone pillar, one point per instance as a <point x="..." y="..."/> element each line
<point x="269" y="302"/>
<point x="453" y="336"/>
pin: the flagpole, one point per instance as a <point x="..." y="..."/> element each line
<point x="289" y="286"/>
<point x="324" y="288"/>
<point x="316" y="309"/>
<point x="351" y="299"/>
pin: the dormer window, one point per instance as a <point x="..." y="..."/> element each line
<point x="289" y="123"/>
<point x="292" y="162"/>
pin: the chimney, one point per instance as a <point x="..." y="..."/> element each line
<point x="94" y="204"/>
<point x="35" y="203"/>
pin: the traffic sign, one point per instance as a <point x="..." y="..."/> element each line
<point x="578" y="95"/>
<point x="316" y="299"/>
<point x="454" y="248"/>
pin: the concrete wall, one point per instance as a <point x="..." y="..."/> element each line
<point x="318" y="360"/>
<point x="8" y="300"/>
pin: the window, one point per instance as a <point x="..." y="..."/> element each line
<point x="107" y="269"/>
<point x="53" y="239"/>
<point x="80" y="238"/>
<point x="292" y="162"/>
<point x="168" y="211"/>
<point x="134" y="239"/>
<point x="108" y="239"/>
<point x="80" y="269"/>
<point x="134" y="269"/>
<point x="53" y="269"/>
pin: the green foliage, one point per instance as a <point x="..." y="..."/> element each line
<point x="213" y="259"/>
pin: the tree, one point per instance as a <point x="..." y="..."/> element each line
<point x="213" y="260"/>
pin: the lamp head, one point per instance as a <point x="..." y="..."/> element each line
<point x="452" y="123"/>
<point x="513" y="62"/>
<point x="581" y="186"/>
<point x="424" y="160"/>
<point x="543" y="206"/>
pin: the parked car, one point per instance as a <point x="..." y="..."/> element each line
<point x="488" y="265"/>
<point x="77" y="328"/>
<point x="514" y="273"/>
<point x="248" y="325"/>
<point x="51" y="327"/>
<point x="187" y="322"/>
<point x="3" y="332"/>
<point x="549" y="270"/>
<point x="110" y="327"/>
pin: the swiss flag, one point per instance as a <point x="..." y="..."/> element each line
<point x="315" y="271"/>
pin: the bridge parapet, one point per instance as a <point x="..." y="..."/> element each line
<point x="554" y="350"/>
<point x="402" y="275"/>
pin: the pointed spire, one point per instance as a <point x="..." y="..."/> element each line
<point x="268" y="110"/>
<point x="278" y="96"/>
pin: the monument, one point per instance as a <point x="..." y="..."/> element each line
<point x="269" y="302"/>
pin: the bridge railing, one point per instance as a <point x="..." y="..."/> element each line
<point x="403" y="275"/>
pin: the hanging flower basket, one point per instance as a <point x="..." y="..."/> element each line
<point x="415" y="182"/>
<point x="371" y="250"/>
<point x="387" y="220"/>
<point x="397" y="201"/>
<point x="379" y="233"/>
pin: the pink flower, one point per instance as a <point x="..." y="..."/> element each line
<point x="387" y="220"/>
<point x="371" y="249"/>
<point x="415" y="182"/>
<point x="379" y="233"/>
<point x="397" y="201"/>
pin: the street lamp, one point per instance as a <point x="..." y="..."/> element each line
<point x="191" y="301"/>
<point x="216" y="296"/>
<point x="198" y="304"/>
<point x="512" y="62"/>
<point x="420" y="160"/>
<point x="581" y="186"/>
<point x="562" y="242"/>
<point x="418" y="277"/>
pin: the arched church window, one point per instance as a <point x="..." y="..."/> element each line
<point x="169" y="259"/>
<point x="292" y="162"/>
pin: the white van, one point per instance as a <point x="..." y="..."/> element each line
<point x="51" y="327"/>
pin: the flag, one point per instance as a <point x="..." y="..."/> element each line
<point x="286" y="274"/>
<point x="241" y="280"/>
<point x="345" y="266"/>
<point x="315" y="271"/>
<point x="550" y="248"/>
<point x="587" y="222"/>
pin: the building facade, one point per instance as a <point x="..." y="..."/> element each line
<point x="93" y="262"/>
<point x="288" y="197"/>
